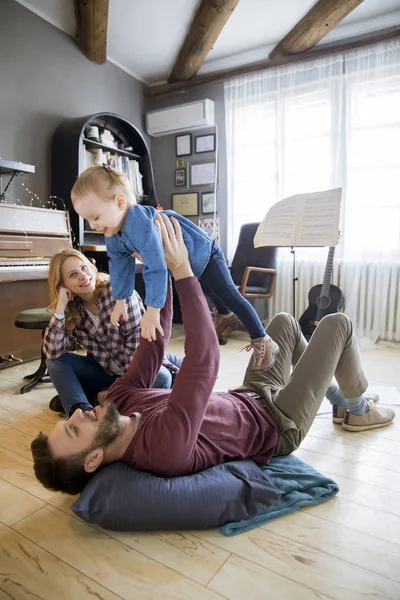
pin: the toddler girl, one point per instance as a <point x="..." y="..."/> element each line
<point x="104" y="198"/>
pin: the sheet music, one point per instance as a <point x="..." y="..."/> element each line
<point x="302" y="220"/>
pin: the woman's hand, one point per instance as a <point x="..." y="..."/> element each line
<point x="118" y="311"/>
<point x="175" y="251"/>
<point x="64" y="296"/>
<point x="150" y="324"/>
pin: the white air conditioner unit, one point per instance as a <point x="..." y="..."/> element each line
<point x="192" y="115"/>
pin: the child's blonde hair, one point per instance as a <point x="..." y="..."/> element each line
<point x="73" y="317"/>
<point x="103" y="181"/>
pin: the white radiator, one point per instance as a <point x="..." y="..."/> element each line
<point x="371" y="292"/>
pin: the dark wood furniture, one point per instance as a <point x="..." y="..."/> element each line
<point x="28" y="239"/>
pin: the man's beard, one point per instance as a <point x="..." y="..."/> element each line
<point x="109" y="428"/>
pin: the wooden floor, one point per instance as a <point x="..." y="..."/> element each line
<point x="347" y="548"/>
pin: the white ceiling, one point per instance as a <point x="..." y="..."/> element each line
<point x="144" y="36"/>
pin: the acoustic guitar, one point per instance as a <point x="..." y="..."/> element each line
<point x="323" y="299"/>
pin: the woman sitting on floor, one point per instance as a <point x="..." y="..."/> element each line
<point x="81" y="298"/>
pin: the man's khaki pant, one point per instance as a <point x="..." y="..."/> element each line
<point x="293" y="398"/>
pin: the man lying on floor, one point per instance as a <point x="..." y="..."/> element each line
<point x="190" y="428"/>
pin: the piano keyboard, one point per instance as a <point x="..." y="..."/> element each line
<point x="23" y="270"/>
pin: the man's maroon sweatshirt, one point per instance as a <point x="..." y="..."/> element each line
<point x="189" y="428"/>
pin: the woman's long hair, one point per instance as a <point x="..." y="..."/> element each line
<point x="73" y="316"/>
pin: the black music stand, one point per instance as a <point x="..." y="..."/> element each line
<point x="294" y="279"/>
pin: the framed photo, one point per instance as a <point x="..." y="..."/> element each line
<point x="183" y="144"/>
<point x="180" y="177"/>
<point x="180" y="163"/>
<point x="207" y="202"/>
<point x="202" y="174"/>
<point x="205" y="143"/>
<point x="186" y="204"/>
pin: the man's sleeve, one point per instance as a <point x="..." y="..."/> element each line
<point x="179" y="424"/>
<point x="148" y="358"/>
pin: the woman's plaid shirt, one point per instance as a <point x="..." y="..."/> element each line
<point x="104" y="342"/>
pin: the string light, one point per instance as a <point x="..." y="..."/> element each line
<point x="34" y="196"/>
<point x="61" y="200"/>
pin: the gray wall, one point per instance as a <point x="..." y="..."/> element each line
<point x="45" y="78"/>
<point x="164" y="155"/>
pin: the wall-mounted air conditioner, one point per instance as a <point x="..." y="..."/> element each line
<point x="192" y="115"/>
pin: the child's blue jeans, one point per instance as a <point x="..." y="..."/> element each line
<point x="217" y="284"/>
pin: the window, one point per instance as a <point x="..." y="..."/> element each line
<point x="304" y="128"/>
<point x="372" y="214"/>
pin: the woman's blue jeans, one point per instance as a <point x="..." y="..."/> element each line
<point x="78" y="379"/>
<point x="217" y="284"/>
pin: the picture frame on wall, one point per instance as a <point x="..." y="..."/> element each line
<point x="202" y="173"/>
<point x="183" y="144"/>
<point x="205" y="143"/>
<point x="186" y="205"/>
<point x="180" y="177"/>
<point x="207" y="203"/>
<point x="180" y="163"/>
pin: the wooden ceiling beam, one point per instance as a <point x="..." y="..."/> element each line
<point x="312" y="28"/>
<point x="207" y="24"/>
<point x="91" y="28"/>
<point x="325" y="50"/>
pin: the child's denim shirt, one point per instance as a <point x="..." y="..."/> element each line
<point x="141" y="235"/>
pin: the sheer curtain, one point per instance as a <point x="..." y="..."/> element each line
<point x="313" y="126"/>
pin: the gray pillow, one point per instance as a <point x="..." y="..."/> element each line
<point x="121" y="498"/>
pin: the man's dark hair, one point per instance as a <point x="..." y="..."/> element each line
<point x="66" y="475"/>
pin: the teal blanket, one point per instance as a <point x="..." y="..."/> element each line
<point x="301" y="486"/>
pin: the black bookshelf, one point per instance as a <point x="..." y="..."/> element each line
<point x="68" y="149"/>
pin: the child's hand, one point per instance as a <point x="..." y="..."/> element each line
<point x="150" y="323"/>
<point x="119" y="310"/>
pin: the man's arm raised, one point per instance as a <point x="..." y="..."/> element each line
<point x="182" y="419"/>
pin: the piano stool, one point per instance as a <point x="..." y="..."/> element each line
<point x="36" y="318"/>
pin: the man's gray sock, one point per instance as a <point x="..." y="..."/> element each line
<point x="335" y="396"/>
<point x="357" y="406"/>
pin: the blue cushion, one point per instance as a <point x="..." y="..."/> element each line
<point x="121" y="498"/>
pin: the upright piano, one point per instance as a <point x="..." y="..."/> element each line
<point x="28" y="239"/>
